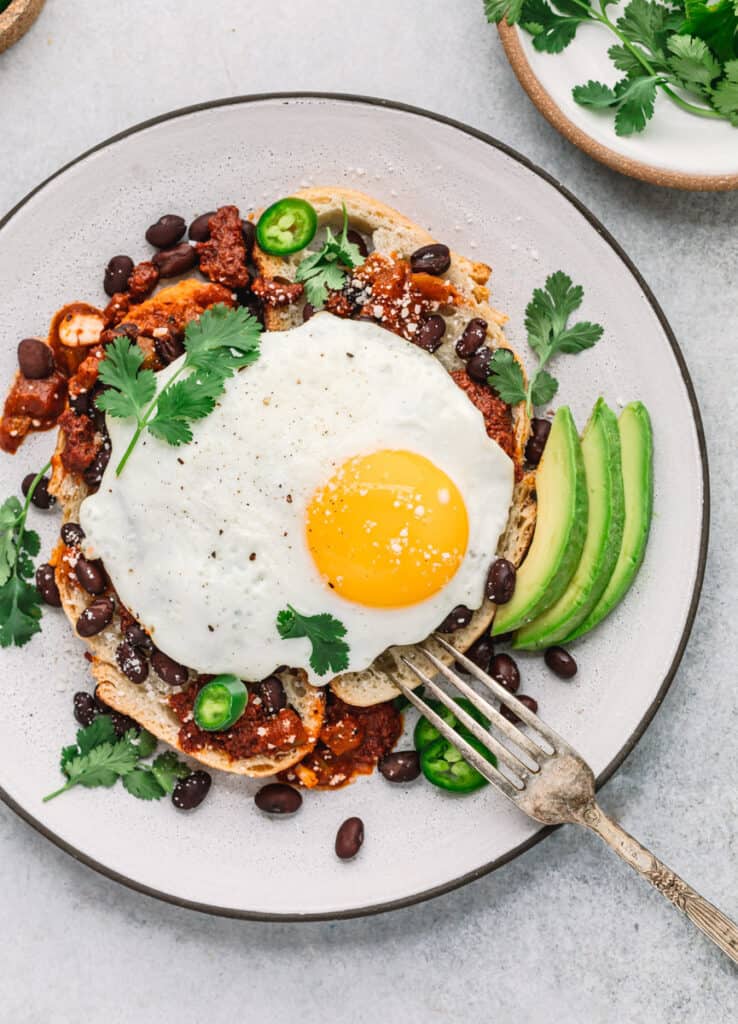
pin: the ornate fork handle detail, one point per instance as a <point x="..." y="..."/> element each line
<point x="702" y="913"/>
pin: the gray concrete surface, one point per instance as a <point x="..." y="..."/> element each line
<point x="564" y="934"/>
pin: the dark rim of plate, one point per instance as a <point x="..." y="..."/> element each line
<point x="704" y="535"/>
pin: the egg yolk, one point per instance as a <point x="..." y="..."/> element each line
<point x="388" y="529"/>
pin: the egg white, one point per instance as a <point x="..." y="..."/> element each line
<point x="205" y="543"/>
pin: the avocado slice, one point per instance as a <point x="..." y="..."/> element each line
<point x="636" y="446"/>
<point x="601" y="452"/>
<point x="561" y="526"/>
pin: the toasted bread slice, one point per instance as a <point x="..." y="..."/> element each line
<point x="392" y="234"/>
<point x="147" y="703"/>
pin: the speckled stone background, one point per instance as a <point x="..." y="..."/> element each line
<point x="565" y="934"/>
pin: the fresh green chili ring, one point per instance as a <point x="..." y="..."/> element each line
<point x="220" y="703"/>
<point x="425" y="733"/>
<point x="445" y="767"/>
<point x="286" y="226"/>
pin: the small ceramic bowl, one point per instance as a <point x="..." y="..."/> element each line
<point x="16" y="20"/>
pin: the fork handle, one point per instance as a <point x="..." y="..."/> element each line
<point x="710" y="920"/>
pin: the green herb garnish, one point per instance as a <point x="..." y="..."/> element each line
<point x="100" y="758"/>
<point x="546" y="321"/>
<point x="219" y="343"/>
<point x="20" y="603"/>
<point x="327" y="268"/>
<point x="330" y="651"/>
<point x="686" y="46"/>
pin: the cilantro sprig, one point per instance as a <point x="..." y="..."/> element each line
<point x="100" y="758"/>
<point x="222" y="341"/>
<point x="325" y="633"/>
<point x="676" y="46"/>
<point x="20" y="602"/>
<point x="327" y="268"/>
<point x="549" y="333"/>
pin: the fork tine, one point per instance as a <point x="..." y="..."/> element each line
<point x="520" y="768"/>
<point x="524" y="713"/>
<point x="510" y="731"/>
<point x="474" y="758"/>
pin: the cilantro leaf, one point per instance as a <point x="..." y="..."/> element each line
<point x="20" y="611"/>
<point x="167" y="768"/>
<point x="147" y="743"/>
<point x="100" y="730"/>
<point x="130" y="389"/>
<point x="329" y="650"/>
<point x="549" y="332"/>
<point x="189" y="399"/>
<point x="496" y="10"/>
<point x="552" y="32"/>
<point x="142" y="783"/>
<point x="99" y="758"/>
<point x="725" y="94"/>
<point x="716" y="24"/>
<point x="596" y="95"/>
<point x="506" y="377"/>
<point x="636" y="102"/>
<point x="692" y="61"/>
<point x="225" y="332"/>
<point x="543" y="388"/>
<point x="220" y="342"/>
<point x="326" y="269"/>
<point x="625" y="60"/>
<point x="647" y="23"/>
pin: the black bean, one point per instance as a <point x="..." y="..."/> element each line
<point x="307" y="312"/>
<point x="539" y="431"/>
<point x="166" y="232"/>
<point x="122" y="723"/>
<point x="190" y="792"/>
<point x="358" y="239"/>
<point x="251" y="302"/>
<point x="277" y="798"/>
<point x="175" y="261"/>
<point x="136" y="636"/>
<point x="85" y="708"/>
<point x="199" y="228"/>
<point x="248" y="230"/>
<point x="529" y="702"/>
<point x="481" y="652"/>
<point x="46" y="585"/>
<point x="125" y="330"/>
<point x="96" y="617"/>
<point x="400" y="766"/>
<point x="169" y="347"/>
<point x="117" y="273"/>
<point x="132" y="662"/>
<point x="94" y="472"/>
<point x="35" y="359"/>
<point x="349" y="838"/>
<point x="41" y="497"/>
<point x="91" y="575"/>
<point x="505" y="670"/>
<point x="431" y="259"/>
<point x="72" y="534"/>
<point x="478" y="365"/>
<point x="430" y="333"/>
<point x="461" y="616"/>
<point x="272" y="694"/>
<point x="472" y="338"/>
<point x="501" y="581"/>
<point x="560" y="662"/>
<point x="168" y="670"/>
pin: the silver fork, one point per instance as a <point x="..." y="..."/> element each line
<point x="545" y="777"/>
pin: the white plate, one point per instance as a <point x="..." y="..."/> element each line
<point x="677" y="148"/>
<point x="488" y="202"/>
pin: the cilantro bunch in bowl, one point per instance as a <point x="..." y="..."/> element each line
<point x="687" y="49"/>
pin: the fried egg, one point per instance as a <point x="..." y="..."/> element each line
<point x="343" y="472"/>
